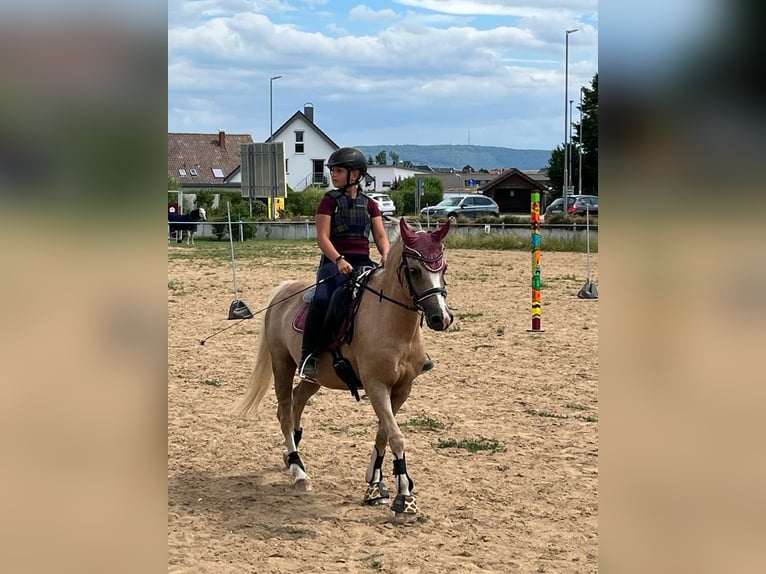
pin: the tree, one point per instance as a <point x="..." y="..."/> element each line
<point x="380" y="159"/>
<point x="404" y="195"/>
<point x="468" y="168"/>
<point x="394" y="158"/>
<point x="585" y="138"/>
<point x="370" y="161"/>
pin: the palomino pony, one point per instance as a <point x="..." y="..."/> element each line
<point x="386" y="353"/>
<point x="188" y="222"/>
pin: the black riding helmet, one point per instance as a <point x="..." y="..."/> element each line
<point x="350" y="158"/>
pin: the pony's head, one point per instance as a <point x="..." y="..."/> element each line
<point x="424" y="266"/>
<point x="202" y="214"/>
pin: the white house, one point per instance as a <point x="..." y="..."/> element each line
<point x="306" y="150"/>
<point x="385" y="175"/>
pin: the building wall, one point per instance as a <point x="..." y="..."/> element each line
<point x="300" y="163"/>
<point x="385" y="175"/>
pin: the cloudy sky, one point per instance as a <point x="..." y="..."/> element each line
<point x="484" y="72"/>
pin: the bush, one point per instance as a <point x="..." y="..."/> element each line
<point x="304" y="203"/>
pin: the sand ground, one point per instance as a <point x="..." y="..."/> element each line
<point x="529" y="505"/>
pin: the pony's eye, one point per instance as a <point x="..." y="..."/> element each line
<point x="414" y="271"/>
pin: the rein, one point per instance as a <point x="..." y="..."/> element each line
<point x="417" y="298"/>
<point x="202" y="341"/>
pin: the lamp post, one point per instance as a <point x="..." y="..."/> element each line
<point x="579" y="171"/>
<point x="273" y="194"/>
<point x="271" y="105"/>
<point x="566" y="118"/>
<point x="569" y="176"/>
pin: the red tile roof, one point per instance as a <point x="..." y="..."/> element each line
<point x="204" y="152"/>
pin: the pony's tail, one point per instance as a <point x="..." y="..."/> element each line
<point x="262" y="377"/>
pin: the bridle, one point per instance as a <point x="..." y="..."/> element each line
<point x="433" y="264"/>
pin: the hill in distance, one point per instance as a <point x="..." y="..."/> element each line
<point x="458" y="156"/>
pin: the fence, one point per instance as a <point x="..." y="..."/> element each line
<point x="292" y="230"/>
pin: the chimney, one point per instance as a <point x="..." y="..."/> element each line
<point x="222" y="139"/>
<point x="308" y="111"/>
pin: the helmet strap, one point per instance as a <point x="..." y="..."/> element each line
<point x="350" y="184"/>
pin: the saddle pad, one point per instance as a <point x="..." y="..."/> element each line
<point x="299" y="321"/>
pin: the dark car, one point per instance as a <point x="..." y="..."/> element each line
<point x="585" y="203"/>
<point x="576" y="205"/>
<point x="468" y="205"/>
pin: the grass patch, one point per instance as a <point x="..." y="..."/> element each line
<point x="473" y="444"/>
<point x="576" y="407"/>
<point x="500" y="331"/>
<point x="477" y="347"/>
<point x="212" y="383"/>
<point x="469" y="315"/>
<point x="373" y="561"/>
<point x="548" y="414"/>
<point x="423" y="422"/>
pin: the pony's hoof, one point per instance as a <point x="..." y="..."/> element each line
<point x="302" y="485"/>
<point x="376" y="494"/>
<point x="404" y="518"/>
<point x="405" y="508"/>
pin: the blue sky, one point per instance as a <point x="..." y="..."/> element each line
<point x="484" y="72"/>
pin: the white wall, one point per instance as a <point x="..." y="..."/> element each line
<point x="300" y="165"/>
<point x="387" y="174"/>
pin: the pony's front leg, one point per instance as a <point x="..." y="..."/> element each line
<point x="377" y="492"/>
<point x="386" y="405"/>
<point x="283" y="383"/>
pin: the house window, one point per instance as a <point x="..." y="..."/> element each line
<point x="194" y="172"/>
<point x="287" y="170"/>
<point x="386" y="184"/>
<point x="217" y="172"/>
<point x="182" y="172"/>
<point x="298" y="142"/>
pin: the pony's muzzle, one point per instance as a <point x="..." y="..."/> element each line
<point x="439" y="321"/>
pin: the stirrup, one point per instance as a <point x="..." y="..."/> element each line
<point x="308" y="368"/>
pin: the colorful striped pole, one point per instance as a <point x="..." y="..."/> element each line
<point x="536" y="264"/>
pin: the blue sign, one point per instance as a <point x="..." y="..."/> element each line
<point x="471" y="182"/>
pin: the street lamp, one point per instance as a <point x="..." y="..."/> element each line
<point x="271" y="105"/>
<point x="569" y="180"/>
<point x="566" y="119"/>
<point x="579" y="171"/>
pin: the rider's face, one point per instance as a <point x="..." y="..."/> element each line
<point x="338" y="175"/>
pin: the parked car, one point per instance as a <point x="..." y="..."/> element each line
<point x="576" y="205"/>
<point x="386" y="204"/>
<point x="469" y="205"/>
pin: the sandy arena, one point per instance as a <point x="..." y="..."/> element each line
<point x="528" y="503"/>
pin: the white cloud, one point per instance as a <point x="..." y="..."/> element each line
<point x="421" y="69"/>
<point x="500" y="7"/>
<point x="364" y="12"/>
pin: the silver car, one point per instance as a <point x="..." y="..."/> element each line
<point x="469" y="205"/>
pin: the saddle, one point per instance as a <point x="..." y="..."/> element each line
<point x="339" y="324"/>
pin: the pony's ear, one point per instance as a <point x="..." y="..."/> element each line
<point x="441" y="232"/>
<point x="407" y="234"/>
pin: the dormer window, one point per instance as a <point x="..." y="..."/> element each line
<point x="193" y="172"/>
<point x="182" y="172"/>
<point x="217" y="172"/>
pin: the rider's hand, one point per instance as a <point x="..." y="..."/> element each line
<point x="344" y="267"/>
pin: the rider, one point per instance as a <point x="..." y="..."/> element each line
<point x="344" y="219"/>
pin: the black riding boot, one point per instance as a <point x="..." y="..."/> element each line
<point x="312" y="341"/>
